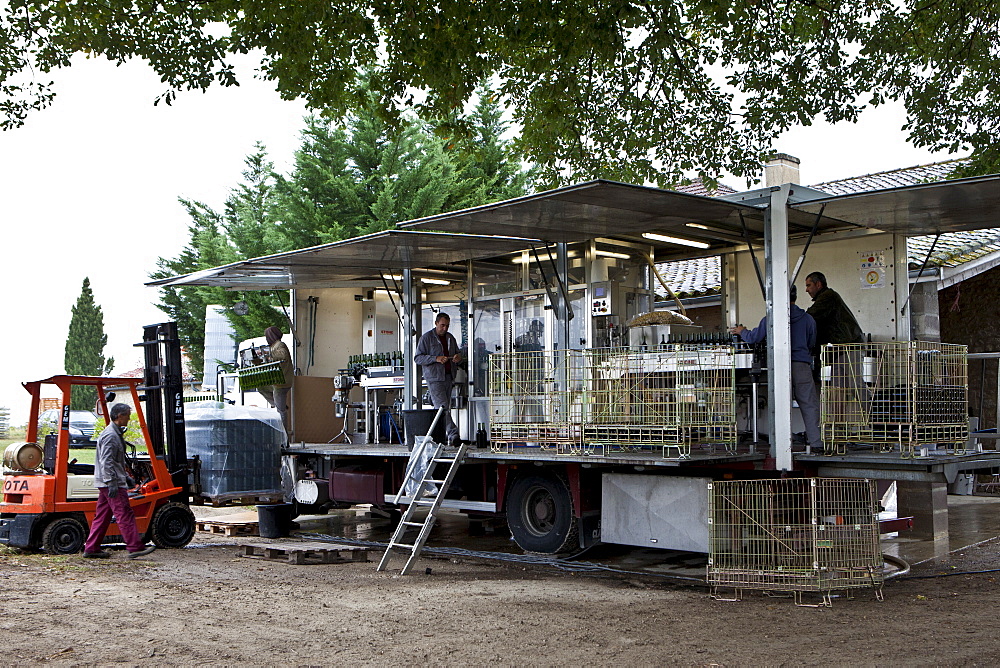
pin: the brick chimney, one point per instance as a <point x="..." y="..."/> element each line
<point x="781" y="168"/>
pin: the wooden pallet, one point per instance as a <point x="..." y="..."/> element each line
<point x="302" y="552"/>
<point x="233" y="529"/>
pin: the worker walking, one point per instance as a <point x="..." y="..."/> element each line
<point x="437" y="354"/>
<point x="112" y="487"/>
<point x="803" y="340"/>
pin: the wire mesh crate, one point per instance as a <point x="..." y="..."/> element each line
<point x="671" y="398"/>
<point x="605" y="400"/>
<point x="535" y="399"/>
<point x="706" y="396"/>
<point x="909" y="394"/>
<point x="794" y="535"/>
<point x="630" y="401"/>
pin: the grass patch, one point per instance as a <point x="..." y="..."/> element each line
<point x="50" y="562"/>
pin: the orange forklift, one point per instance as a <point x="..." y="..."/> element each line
<point x="49" y="500"/>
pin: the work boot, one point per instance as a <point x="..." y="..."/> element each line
<point x="141" y="553"/>
<point x="102" y="554"/>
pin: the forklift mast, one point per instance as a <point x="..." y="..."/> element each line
<point x="164" y="390"/>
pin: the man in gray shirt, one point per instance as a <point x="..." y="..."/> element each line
<point x="437" y="353"/>
<point x="112" y="487"/>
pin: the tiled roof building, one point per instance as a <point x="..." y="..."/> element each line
<point x="702" y="276"/>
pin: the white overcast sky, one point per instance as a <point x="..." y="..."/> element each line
<point x="89" y="187"/>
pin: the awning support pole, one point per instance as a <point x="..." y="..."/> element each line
<point x="779" y="346"/>
<point x="920" y="273"/>
<point x="753" y="256"/>
<point x="802" y="257"/>
<point x="411" y="316"/>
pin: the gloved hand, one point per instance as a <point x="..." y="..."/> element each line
<point x="112" y="490"/>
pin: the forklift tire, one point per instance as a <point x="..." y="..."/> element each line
<point x="64" y="535"/>
<point x="172" y="525"/>
<point x="540" y="515"/>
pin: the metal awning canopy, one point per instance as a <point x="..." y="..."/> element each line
<point x="362" y="258"/>
<point x="607" y="209"/>
<point x="959" y="205"/>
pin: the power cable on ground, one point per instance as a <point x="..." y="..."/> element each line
<point x="582" y="567"/>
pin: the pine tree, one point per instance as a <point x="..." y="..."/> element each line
<point x="361" y="177"/>
<point x="85" y="347"/>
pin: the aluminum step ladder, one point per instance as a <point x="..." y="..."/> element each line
<point x="428" y="493"/>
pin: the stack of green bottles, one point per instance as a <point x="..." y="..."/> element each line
<point x="394" y="358"/>
<point x="252" y="377"/>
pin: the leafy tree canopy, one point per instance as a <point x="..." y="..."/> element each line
<point x="630" y="90"/>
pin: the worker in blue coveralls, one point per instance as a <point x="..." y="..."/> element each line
<point x="803" y="339"/>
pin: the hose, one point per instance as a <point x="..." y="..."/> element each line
<point x="901" y="564"/>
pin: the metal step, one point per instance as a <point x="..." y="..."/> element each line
<point x="451" y="504"/>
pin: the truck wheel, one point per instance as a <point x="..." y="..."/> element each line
<point x="540" y="515"/>
<point x="64" y="535"/>
<point x="172" y="525"/>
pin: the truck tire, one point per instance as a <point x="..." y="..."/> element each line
<point x="64" y="535"/>
<point x="540" y="515"/>
<point x="172" y="525"/>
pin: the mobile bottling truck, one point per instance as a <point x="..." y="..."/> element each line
<point x="596" y="419"/>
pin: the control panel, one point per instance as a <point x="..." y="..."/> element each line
<point x="601" y="303"/>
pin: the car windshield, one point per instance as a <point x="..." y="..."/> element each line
<point x="82" y="416"/>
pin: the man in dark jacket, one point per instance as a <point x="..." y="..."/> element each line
<point x="834" y="321"/>
<point x="836" y="324"/>
<point x="803" y="340"/>
<point x="437" y="353"/>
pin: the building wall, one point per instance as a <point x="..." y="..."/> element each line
<point x="969" y="314"/>
<point x="925" y="319"/>
<point x="337" y="330"/>
<point x="840" y="261"/>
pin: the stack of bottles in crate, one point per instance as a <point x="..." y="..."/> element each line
<point x="239" y="448"/>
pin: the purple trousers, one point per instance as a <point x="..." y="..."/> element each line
<point x="124" y="518"/>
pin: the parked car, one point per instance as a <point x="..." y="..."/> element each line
<point x="81" y="425"/>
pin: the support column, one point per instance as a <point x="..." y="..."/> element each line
<point x="562" y="307"/>
<point x="779" y="346"/>
<point x="411" y="316"/>
<point x="927" y="504"/>
<point x="901" y="287"/>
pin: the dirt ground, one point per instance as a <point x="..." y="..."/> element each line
<point x="206" y="604"/>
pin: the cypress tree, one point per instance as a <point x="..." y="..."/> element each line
<point x="85" y="347"/>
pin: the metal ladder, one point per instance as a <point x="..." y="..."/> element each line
<point x="424" y="495"/>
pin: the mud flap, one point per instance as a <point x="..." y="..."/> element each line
<point x="590" y="529"/>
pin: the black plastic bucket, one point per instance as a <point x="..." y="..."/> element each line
<point x="417" y="422"/>
<point x="275" y="521"/>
